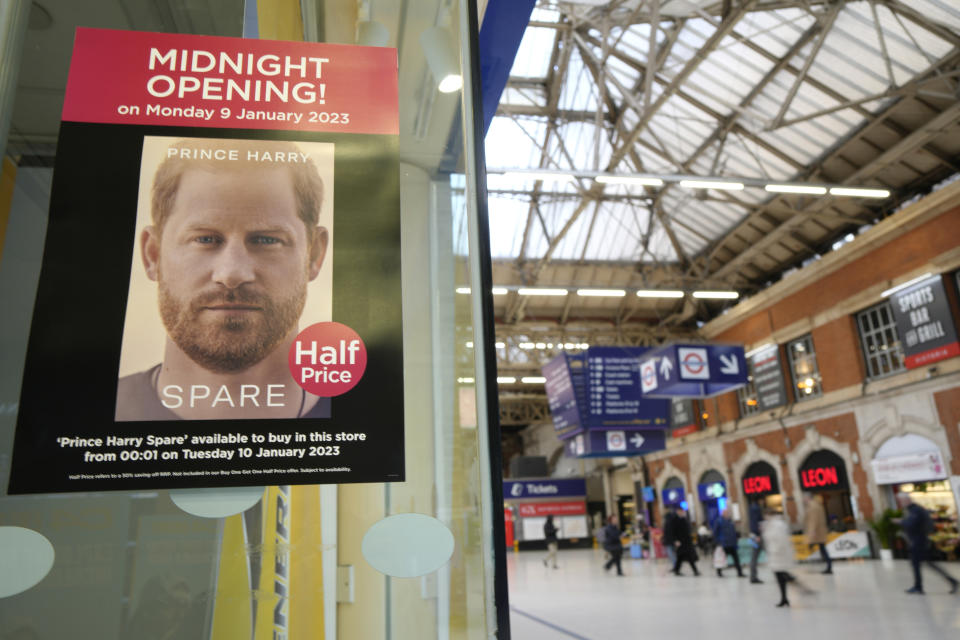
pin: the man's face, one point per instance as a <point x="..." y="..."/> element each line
<point x="232" y="264"/>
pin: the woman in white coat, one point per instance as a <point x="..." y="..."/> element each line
<point x="780" y="554"/>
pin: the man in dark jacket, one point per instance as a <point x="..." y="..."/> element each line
<point x="917" y="526"/>
<point x="550" y="536"/>
<point x="682" y="542"/>
<point x="668" y="517"/>
<point x="725" y="535"/>
<point x="612" y="544"/>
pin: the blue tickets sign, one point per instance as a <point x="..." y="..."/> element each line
<point x="613" y="391"/>
<point x="615" y="443"/>
<point x="544" y="488"/>
<point x="692" y="370"/>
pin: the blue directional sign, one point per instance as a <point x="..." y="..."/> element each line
<point x="613" y="391"/>
<point x="615" y="443"/>
<point x="692" y="370"/>
<point x="673" y="496"/>
<point x="565" y="382"/>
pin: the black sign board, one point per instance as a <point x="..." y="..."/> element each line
<point x="925" y="323"/>
<point x="683" y="418"/>
<point x="760" y="479"/>
<point x="768" y="378"/>
<point x="823" y="471"/>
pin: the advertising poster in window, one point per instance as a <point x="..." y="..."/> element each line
<point x="219" y="302"/>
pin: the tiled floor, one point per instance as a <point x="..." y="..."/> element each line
<point x="863" y="599"/>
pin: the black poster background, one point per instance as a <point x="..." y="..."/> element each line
<point x="70" y="375"/>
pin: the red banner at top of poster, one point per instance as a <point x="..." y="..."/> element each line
<point x="141" y="78"/>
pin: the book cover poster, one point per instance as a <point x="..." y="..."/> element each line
<point x="196" y="324"/>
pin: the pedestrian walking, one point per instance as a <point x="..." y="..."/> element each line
<point x="815" y="527"/>
<point x="725" y="535"/>
<point x="612" y="544"/>
<point x="683" y="543"/>
<point x="550" y="535"/>
<point x="780" y="554"/>
<point x="918" y="525"/>
<point x="667" y="537"/>
<point x="755" y="518"/>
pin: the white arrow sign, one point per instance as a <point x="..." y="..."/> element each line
<point x="637" y="440"/>
<point x="665" y="367"/>
<point x="731" y="365"/>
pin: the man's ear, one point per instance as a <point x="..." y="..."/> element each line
<point x="318" y="251"/>
<point x="150" y="251"/>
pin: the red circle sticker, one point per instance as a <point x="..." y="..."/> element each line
<point x="327" y="359"/>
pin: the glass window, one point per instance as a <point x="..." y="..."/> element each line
<point x="803" y="369"/>
<point x="747" y="395"/>
<point x="880" y="341"/>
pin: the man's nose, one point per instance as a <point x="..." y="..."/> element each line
<point x="234" y="265"/>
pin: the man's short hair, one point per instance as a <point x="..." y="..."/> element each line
<point x="193" y="153"/>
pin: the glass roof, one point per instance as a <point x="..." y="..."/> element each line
<point x="766" y="99"/>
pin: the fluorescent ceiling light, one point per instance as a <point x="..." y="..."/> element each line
<point x="533" y="380"/>
<point x="542" y="292"/>
<point x="859" y="193"/>
<point x="442" y="58"/>
<point x="465" y="380"/>
<point x="498" y="291"/>
<point x="500" y="345"/>
<point x="470" y="344"/>
<point x="666" y="293"/>
<point x="544" y="176"/>
<point x="636" y="180"/>
<point x="602" y="293"/>
<point x="796" y="188"/>
<point x="711" y="184"/>
<point x="526" y="345"/>
<point x="506" y="380"/>
<point x="716" y="295"/>
<point x="906" y="284"/>
<point x="463" y="290"/>
<point x="583" y="345"/>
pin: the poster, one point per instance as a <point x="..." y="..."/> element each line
<point x="219" y="302"/>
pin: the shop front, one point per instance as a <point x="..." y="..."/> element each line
<point x="915" y="465"/>
<point x="825" y="474"/>
<point x="532" y="500"/>
<point x="712" y="492"/>
<point x="760" y="484"/>
<point x="674" y="494"/>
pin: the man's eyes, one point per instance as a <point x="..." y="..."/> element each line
<point x="207" y="240"/>
<point x="266" y="240"/>
<point x="259" y="240"/>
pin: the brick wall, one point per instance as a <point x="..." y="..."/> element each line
<point x="948" y="407"/>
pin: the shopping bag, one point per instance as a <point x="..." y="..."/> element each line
<point x="719" y="558"/>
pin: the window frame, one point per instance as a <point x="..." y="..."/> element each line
<point x="871" y="316"/>
<point x="811" y="356"/>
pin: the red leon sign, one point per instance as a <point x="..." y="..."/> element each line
<point x="552" y="508"/>
<point x="819" y="477"/>
<point x="757" y="484"/>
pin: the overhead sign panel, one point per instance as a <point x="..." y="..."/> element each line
<point x="925" y="323"/>
<point x="562" y="395"/>
<point x="544" y="488"/>
<point x="694" y="371"/>
<point x="614" y="397"/>
<point x="616" y="443"/>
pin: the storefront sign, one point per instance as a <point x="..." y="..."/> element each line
<point x="615" y="443"/>
<point x="673" y="496"/>
<point x="918" y="467"/>
<point x="544" y="488"/>
<point x="190" y="329"/>
<point x="823" y="470"/>
<point x="692" y="370"/>
<point x="760" y="479"/>
<point x="925" y="323"/>
<point x="533" y="509"/>
<point x="768" y="378"/>
<point x="712" y="491"/>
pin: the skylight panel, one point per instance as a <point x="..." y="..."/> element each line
<point x="533" y="55"/>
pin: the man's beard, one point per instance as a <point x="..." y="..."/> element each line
<point x="230" y="344"/>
